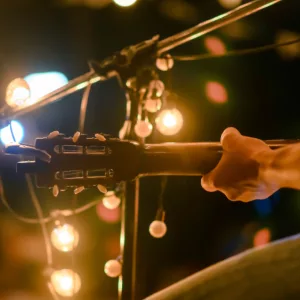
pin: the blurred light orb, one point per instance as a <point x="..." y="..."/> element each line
<point x="42" y="84"/>
<point x="6" y="136"/>
<point x="143" y="128"/>
<point x="66" y="282"/>
<point x="216" y="92"/>
<point x="156" y="88"/>
<point x="113" y="268"/>
<point x="17" y="93"/>
<point x="125" y="3"/>
<point x="110" y="200"/>
<point x="158" y="229"/>
<point x="262" y="237"/>
<point x="169" y="121"/>
<point x="153" y="105"/>
<point x="65" y="238"/>
<point x="229" y="4"/>
<point x="288" y="52"/>
<point x="214" y="45"/>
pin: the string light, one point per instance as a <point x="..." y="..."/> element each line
<point x="113" y="268"/>
<point x="17" y="93"/>
<point x="110" y="200"/>
<point x="64" y="238"/>
<point x="66" y="282"/>
<point x="153" y="105"/>
<point x="158" y="229"/>
<point x="143" y="128"/>
<point x="229" y="4"/>
<point x="125" y="3"/>
<point x="169" y="121"/>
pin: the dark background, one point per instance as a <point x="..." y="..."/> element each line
<point x="203" y="228"/>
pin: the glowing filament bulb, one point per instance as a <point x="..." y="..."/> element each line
<point x="113" y="268"/>
<point x="65" y="282"/>
<point x="158" y="229"/>
<point x="64" y="238"/>
<point x="169" y="122"/>
<point x="110" y="200"/>
<point x="17" y="93"/>
<point x="124" y="3"/>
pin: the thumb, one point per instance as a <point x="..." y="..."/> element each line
<point x="207" y="183"/>
<point x="231" y="138"/>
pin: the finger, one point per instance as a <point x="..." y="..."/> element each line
<point x="230" y="138"/>
<point x="207" y="183"/>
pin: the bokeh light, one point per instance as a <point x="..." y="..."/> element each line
<point x="17" y="93"/>
<point x="216" y="92"/>
<point x="230" y="4"/>
<point x="42" y="84"/>
<point x="262" y="237"/>
<point x="64" y="238"/>
<point x="169" y="121"/>
<point x="288" y="52"/>
<point x="6" y="135"/>
<point x="66" y="282"/>
<point x="214" y="45"/>
<point x="125" y="3"/>
<point x="111" y="200"/>
<point x="108" y="215"/>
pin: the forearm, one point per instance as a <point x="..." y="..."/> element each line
<point x="282" y="166"/>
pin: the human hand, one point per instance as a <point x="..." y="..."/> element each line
<point x="239" y="174"/>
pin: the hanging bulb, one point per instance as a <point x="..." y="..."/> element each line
<point x="17" y="93"/>
<point x="143" y="128"/>
<point x="65" y="282"/>
<point x="158" y="229"/>
<point x="169" y="121"/>
<point x="124" y="3"/>
<point x="153" y="105"/>
<point x="165" y="63"/>
<point x="113" y="268"/>
<point x="64" y="238"/>
<point x="110" y="200"/>
<point x="156" y="88"/>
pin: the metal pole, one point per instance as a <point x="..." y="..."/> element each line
<point x="163" y="46"/>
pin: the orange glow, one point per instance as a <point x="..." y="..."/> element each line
<point x="108" y="215"/>
<point x="262" y="237"/>
<point x="214" y="45"/>
<point x="216" y="92"/>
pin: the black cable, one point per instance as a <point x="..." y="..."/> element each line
<point x="235" y="52"/>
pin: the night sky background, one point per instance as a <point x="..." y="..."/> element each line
<point x="203" y="228"/>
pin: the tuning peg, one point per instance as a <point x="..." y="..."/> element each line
<point x="76" y="136"/>
<point x="100" y="137"/>
<point x="79" y="190"/>
<point x="53" y="134"/>
<point x="102" y="188"/>
<point x="55" y="190"/>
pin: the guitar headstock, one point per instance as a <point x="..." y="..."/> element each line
<point x="79" y="160"/>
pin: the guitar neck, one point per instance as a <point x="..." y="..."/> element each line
<point x="186" y="159"/>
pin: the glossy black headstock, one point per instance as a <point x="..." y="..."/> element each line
<point x="79" y="160"/>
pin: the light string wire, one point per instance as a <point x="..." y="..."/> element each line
<point x="235" y="52"/>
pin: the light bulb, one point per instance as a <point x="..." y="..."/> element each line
<point x="113" y="268"/>
<point x="229" y="4"/>
<point x="124" y="3"/>
<point x="153" y="105"/>
<point x="169" y="121"/>
<point x="165" y="63"/>
<point x="65" y="282"/>
<point x="143" y="128"/>
<point x="110" y="200"/>
<point x="6" y="136"/>
<point x="17" y="93"/>
<point x="64" y="238"/>
<point x="158" y="229"/>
